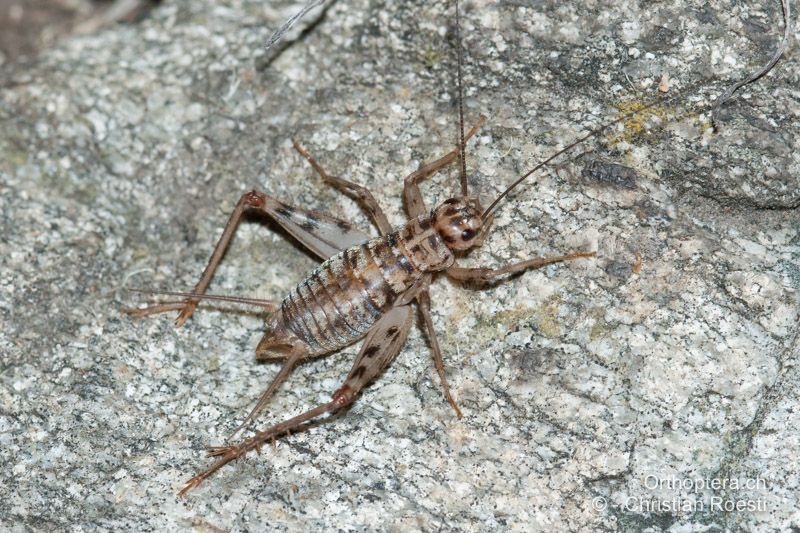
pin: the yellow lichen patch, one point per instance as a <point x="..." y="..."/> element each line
<point x="547" y="318"/>
<point x="703" y="123"/>
<point x="512" y="317"/>
<point x="460" y="308"/>
<point x="598" y="331"/>
<point x="213" y="364"/>
<point x="12" y="157"/>
<point x="600" y="327"/>
<point x="431" y="58"/>
<point x="640" y="119"/>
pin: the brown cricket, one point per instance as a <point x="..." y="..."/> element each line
<point x="364" y="288"/>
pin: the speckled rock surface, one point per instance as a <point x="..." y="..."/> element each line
<point x="602" y="394"/>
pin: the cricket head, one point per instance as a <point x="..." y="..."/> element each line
<point x="458" y="223"/>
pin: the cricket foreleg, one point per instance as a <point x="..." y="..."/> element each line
<point x="354" y="190"/>
<point x="488" y="274"/>
<point x="424" y="301"/>
<point x="415" y="204"/>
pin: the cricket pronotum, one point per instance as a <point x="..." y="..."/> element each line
<point x="364" y="288"/>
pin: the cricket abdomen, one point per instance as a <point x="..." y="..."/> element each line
<point x="348" y="293"/>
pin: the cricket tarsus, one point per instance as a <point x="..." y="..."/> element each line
<point x="228" y="454"/>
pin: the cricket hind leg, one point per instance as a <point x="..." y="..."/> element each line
<point x="154" y="309"/>
<point x="381" y="345"/>
<point x="187" y="307"/>
<point x="295" y="355"/>
<point x="227" y="454"/>
<point x="162" y="307"/>
<point x="358" y="192"/>
<point x="322" y="234"/>
<point x="489" y="274"/>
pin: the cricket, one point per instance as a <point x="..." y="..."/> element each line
<point x="366" y="288"/>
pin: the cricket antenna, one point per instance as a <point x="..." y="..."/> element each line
<point x="462" y="156"/>
<point x="592" y="133"/>
<point x="787" y="20"/>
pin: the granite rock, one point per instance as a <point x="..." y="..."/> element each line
<point x="648" y="389"/>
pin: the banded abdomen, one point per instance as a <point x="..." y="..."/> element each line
<point x="347" y="294"/>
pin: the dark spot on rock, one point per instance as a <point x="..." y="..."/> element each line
<point x="652" y="213"/>
<point x="612" y="174"/>
<point x="659" y="37"/>
<point x="619" y="270"/>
